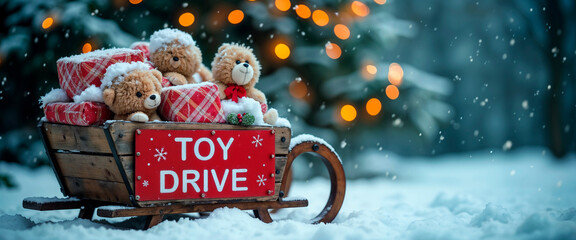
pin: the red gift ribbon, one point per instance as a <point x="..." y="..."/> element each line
<point x="234" y="92"/>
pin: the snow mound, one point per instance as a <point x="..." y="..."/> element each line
<point x="283" y="122"/>
<point x="117" y="71"/>
<point x="161" y="38"/>
<point x="244" y="105"/>
<point x="91" y="94"/>
<point x="55" y="95"/>
<point x="492" y="212"/>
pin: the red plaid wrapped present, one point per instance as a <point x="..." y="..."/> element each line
<point x="192" y="103"/>
<point x="82" y="114"/>
<point x="142" y="46"/>
<point x="78" y="72"/>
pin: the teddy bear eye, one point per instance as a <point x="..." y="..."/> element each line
<point x="237" y="61"/>
<point x="139" y="94"/>
<point x="246" y="61"/>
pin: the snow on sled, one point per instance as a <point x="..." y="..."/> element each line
<point x="124" y="169"/>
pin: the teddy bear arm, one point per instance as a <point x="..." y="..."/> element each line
<point x="256" y="95"/>
<point x="221" y="88"/>
<point x="205" y="74"/>
<point x="176" y="78"/>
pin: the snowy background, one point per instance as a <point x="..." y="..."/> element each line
<point x="478" y="141"/>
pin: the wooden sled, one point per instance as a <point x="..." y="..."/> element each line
<point x="95" y="167"/>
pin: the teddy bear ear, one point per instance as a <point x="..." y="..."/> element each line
<point x="158" y="75"/>
<point x="108" y="95"/>
<point x="223" y="47"/>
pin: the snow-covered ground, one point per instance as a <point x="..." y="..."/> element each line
<point x="523" y="194"/>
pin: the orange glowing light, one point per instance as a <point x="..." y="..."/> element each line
<point x="320" y="18"/>
<point x="282" y="51"/>
<point x="341" y="31"/>
<point x="135" y="1"/>
<point x="381" y="2"/>
<point x="373" y="106"/>
<point x="303" y="11"/>
<point x="348" y="113"/>
<point x="47" y="23"/>
<point x="392" y="92"/>
<point x="298" y="89"/>
<point x="360" y="9"/>
<point x="236" y="16"/>
<point x="283" y="5"/>
<point x="371" y="69"/>
<point x="395" y="74"/>
<point x="86" y="48"/>
<point x="186" y="19"/>
<point x="333" y="50"/>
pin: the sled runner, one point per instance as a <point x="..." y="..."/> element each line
<point x="153" y="169"/>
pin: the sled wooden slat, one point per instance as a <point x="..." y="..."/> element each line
<point x="123" y="133"/>
<point x="97" y="190"/>
<point x="47" y="204"/>
<point x="280" y="165"/>
<point x="97" y="167"/>
<point x="176" y="209"/>
<point x="76" y="138"/>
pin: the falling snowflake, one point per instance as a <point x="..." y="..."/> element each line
<point x="261" y="180"/>
<point x="257" y="141"/>
<point x="160" y="154"/>
<point x="145" y="183"/>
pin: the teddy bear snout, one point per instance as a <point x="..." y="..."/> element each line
<point x="175" y="59"/>
<point x="152" y="101"/>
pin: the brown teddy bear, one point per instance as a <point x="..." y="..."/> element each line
<point x="236" y="71"/>
<point x="174" y="53"/>
<point x="132" y="91"/>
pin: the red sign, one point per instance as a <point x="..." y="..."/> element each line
<point x="202" y="164"/>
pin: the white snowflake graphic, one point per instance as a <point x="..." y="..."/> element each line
<point x="145" y="183"/>
<point x="261" y="180"/>
<point x="160" y="154"/>
<point x="257" y="141"/>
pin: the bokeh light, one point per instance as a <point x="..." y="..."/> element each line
<point x="283" y="5"/>
<point x="87" y="47"/>
<point x="47" y="23"/>
<point x="135" y="1"/>
<point x="392" y="92"/>
<point x="282" y="51"/>
<point x="395" y="74"/>
<point x="373" y="106"/>
<point x="348" y="113"/>
<point x="320" y="18"/>
<point x="303" y="11"/>
<point x="298" y="89"/>
<point x="236" y="16"/>
<point x="333" y="50"/>
<point x="360" y="9"/>
<point x="369" y="71"/>
<point x="380" y="1"/>
<point x="186" y="19"/>
<point x="341" y="31"/>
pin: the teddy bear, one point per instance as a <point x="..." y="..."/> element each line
<point x="132" y="91"/>
<point x="175" y="54"/>
<point x="236" y="71"/>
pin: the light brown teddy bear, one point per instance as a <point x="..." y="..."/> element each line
<point x="132" y="91"/>
<point x="174" y="53"/>
<point x="236" y="71"/>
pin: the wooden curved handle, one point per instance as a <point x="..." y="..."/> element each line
<point x="335" y="170"/>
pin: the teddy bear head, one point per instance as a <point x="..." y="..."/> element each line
<point x="236" y="64"/>
<point x="172" y="50"/>
<point x="131" y="87"/>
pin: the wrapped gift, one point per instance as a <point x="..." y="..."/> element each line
<point x="82" y="114"/>
<point x="78" y="72"/>
<point x="142" y="46"/>
<point x="192" y="103"/>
